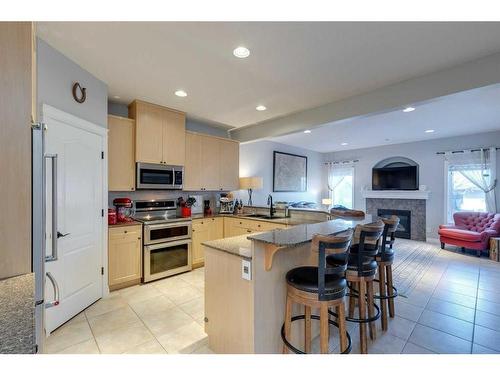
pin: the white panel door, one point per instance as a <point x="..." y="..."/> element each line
<point x="77" y="269"/>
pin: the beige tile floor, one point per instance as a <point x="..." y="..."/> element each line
<point x="162" y="317"/>
<point x="455" y="308"/>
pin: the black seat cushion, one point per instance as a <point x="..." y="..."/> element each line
<point x="368" y="249"/>
<point x="368" y="264"/>
<point x="386" y="256"/>
<point x="306" y="279"/>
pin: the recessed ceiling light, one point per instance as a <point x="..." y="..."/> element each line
<point x="408" y="109"/>
<point x="241" y="52"/>
<point x="429" y="131"/>
<point x="116" y="97"/>
<point x="344" y="144"/>
<point x="307" y="131"/>
<point x="260" y="108"/>
<point x="181" y="93"/>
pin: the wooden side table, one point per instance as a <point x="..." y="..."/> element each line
<point x="495" y="248"/>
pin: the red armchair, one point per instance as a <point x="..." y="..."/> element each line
<point x="472" y="230"/>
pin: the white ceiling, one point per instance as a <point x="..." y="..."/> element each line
<point x="292" y="66"/>
<point x="468" y="112"/>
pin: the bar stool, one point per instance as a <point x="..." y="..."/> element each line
<point x="320" y="287"/>
<point x="361" y="270"/>
<point x="385" y="259"/>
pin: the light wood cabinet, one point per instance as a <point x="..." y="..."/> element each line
<point x="212" y="163"/>
<point x="159" y="133"/>
<point x="121" y="161"/>
<point x="193" y="167"/>
<point x="201" y="233"/>
<point x="206" y="229"/>
<point x="237" y="227"/>
<point x="229" y="152"/>
<point x="124" y="256"/>
<point x="17" y="110"/>
<point x="174" y="137"/>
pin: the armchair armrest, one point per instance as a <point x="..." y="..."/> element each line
<point x="488" y="233"/>
<point x="451" y="226"/>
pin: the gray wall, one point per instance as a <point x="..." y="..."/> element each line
<point x="256" y="159"/>
<point x="431" y="167"/>
<point x="56" y="75"/>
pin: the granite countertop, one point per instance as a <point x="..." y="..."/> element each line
<point x="278" y="220"/>
<point x="304" y="233"/>
<point x="239" y="245"/>
<point x="17" y="315"/>
<point x="124" y="224"/>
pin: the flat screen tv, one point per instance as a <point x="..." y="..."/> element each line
<point x="395" y="178"/>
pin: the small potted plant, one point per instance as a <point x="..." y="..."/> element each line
<point x="186" y="205"/>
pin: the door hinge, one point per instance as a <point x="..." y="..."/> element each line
<point x="102" y="270"/>
<point x="102" y="212"/>
<point x="102" y="155"/>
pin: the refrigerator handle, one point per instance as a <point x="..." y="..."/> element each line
<point x="53" y="256"/>
<point x="55" y="302"/>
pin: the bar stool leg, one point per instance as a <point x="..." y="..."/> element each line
<point x="324" y="328"/>
<point x="371" y="309"/>
<point x="342" y="327"/>
<point x="362" y="315"/>
<point x="382" y="289"/>
<point x="307" y="329"/>
<point x="352" y="300"/>
<point x="390" y="290"/>
<point x="288" y="321"/>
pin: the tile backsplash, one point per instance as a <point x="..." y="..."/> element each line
<point x="163" y="194"/>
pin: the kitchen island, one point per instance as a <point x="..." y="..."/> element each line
<point x="245" y="285"/>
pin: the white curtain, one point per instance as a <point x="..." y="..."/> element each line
<point x="336" y="174"/>
<point x="479" y="167"/>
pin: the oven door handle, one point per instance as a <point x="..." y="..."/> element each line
<point x="168" y="225"/>
<point x="166" y="244"/>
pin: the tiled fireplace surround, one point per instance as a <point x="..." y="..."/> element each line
<point x="416" y="206"/>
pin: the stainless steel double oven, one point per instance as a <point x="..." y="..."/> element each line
<point x="167" y="239"/>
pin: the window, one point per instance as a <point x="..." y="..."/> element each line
<point x="471" y="181"/>
<point x="463" y="195"/>
<point x="341" y="184"/>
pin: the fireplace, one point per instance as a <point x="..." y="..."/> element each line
<point x="404" y="228"/>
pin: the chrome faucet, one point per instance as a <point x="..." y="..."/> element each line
<point x="270" y="203"/>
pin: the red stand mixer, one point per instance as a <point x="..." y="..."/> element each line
<point x="123" y="209"/>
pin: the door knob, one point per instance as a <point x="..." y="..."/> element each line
<point x="60" y="235"/>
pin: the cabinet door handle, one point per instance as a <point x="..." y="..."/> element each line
<point x="125" y="231"/>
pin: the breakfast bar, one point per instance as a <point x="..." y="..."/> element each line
<point x="245" y="285"/>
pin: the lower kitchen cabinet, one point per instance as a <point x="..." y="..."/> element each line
<point x="237" y="227"/>
<point x="206" y="229"/>
<point x="124" y="256"/>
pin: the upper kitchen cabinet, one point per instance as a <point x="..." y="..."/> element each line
<point x="212" y="163"/>
<point x="160" y="133"/>
<point x="121" y="145"/>
<point x="229" y="153"/>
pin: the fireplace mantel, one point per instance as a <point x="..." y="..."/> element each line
<point x="395" y="194"/>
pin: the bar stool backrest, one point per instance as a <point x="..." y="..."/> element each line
<point x="391" y="225"/>
<point x="368" y="235"/>
<point x="328" y="245"/>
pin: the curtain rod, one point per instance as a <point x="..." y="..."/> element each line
<point x="461" y="151"/>
<point x="341" y="162"/>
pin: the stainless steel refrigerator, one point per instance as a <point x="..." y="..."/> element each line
<point x="39" y="248"/>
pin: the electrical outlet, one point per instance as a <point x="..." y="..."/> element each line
<point x="246" y="269"/>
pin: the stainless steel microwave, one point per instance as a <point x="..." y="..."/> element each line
<point x="159" y="176"/>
